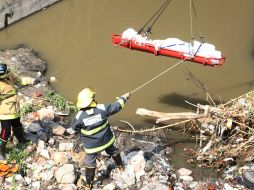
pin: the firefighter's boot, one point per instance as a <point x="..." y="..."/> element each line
<point x="19" y="134"/>
<point x="2" y="152"/>
<point x="119" y="162"/>
<point x="90" y="173"/>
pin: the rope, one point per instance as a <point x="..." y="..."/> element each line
<point x="88" y="59"/>
<point x="157" y="76"/>
<point x="191" y="25"/>
<point x="153" y="129"/>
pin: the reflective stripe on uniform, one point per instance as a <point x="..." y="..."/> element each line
<point x="6" y="117"/>
<point x="121" y="102"/>
<point x="98" y="149"/>
<point x="93" y="131"/>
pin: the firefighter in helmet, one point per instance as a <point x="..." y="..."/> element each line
<point x="9" y="108"/>
<point x="92" y="122"/>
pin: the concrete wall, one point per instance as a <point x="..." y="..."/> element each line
<point x="20" y="9"/>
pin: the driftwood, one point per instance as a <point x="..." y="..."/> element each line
<point x="162" y="116"/>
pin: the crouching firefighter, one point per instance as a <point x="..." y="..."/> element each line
<point x="92" y="122"/>
<point x="9" y="108"/>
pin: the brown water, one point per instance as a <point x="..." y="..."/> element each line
<point x="68" y="33"/>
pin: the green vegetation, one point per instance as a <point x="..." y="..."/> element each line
<point x="28" y="108"/>
<point x="59" y="102"/>
<point x="18" y="155"/>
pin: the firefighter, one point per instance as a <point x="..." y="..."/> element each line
<point x="9" y="108"/>
<point x="92" y="123"/>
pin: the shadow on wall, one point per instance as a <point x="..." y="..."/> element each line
<point x="177" y="100"/>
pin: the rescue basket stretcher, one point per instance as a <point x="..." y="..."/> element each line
<point x="150" y="48"/>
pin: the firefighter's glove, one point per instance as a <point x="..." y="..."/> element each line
<point x="127" y="95"/>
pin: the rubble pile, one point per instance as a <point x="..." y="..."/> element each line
<point x="229" y="133"/>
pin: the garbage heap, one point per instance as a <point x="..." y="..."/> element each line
<point x="226" y="139"/>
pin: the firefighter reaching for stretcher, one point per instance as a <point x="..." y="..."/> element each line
<point x="9" y="107"/>
<point x="92" y="122"/>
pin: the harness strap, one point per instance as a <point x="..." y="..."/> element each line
<point x="8" y="94"/>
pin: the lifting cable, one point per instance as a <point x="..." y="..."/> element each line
<point x="158" y="13"/>
<point x="192" y="8"/>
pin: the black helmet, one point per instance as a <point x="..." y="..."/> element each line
<point x="4" y="71"/>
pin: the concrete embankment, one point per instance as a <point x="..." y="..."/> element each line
<point x="14" y="10"/>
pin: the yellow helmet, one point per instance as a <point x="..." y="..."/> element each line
<point x="85" y="97"/>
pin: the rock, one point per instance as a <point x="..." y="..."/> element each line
<point x="41" y="160"/>
<point x="64" y="112"/>
<point x="110" y="186"/>
<point x="228" y="187"/>
<point x="70" y="131"/>
<point x="168" y="151"/>
<point x="67" y="186"/>
<point x="45" y="153"/>
<point x="41" y="146"/>
<point x="51" y="141"/>
<point x="36" y="184"/>
<point x="58" y="129"/>
<point x="1" y="180"/>
<point x="100" y="164"/>
<point x="155" y="186"/>
<point x="193" y="185"/>
<point x="126" y="178"/>
<point x="148" y="166"/>
<point x="24" y="61"/>
<point x="33" y="128"/>
<point x="43" y="136"/>
<point x="65" y="174"/>
<point x="30" y="149"/>
<point x="37" y="93"/>
<point x="138" y="162"/>
<point x="66" y="146"/>
<point x="32" y="137"/>
<point x="28" y="181"/>
<point x="184" y="171"/>
<point x="47" y="175"/>
<point x="61" y="157"/>
<point x="18" y="177"/>
<point x="46" y="113"/>
<point x="79" y="157"/>
<point x="186" y="179"/>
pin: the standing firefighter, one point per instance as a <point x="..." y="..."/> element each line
<point x="9" y="108"/>
<point x="92" y="122"/>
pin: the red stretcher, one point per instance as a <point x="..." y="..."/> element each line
<point x="146" y="47"/>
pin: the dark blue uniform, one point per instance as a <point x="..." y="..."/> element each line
<point x="92" y="123"/>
